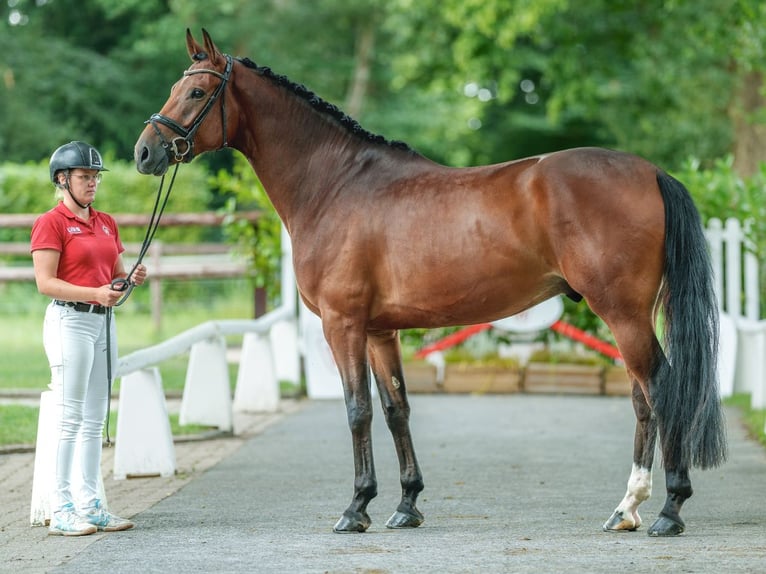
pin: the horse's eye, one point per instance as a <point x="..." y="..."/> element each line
<point x="197" y="94"/>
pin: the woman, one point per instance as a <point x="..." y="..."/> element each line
<point x="77" y="253"/>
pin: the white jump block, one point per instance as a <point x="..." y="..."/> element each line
<point x="755" y="334"/>
<point x="257" y="387"/>
<point x="751" y="361"/>
<point x="284" y="346"/>
<point x="727" y="354"/>
<point x="144" y="441"/>
<point x="207" y="394"/>
<point x="322" y="377"/>
<point x="44" y="476"/>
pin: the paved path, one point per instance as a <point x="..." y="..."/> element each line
<point x="515" y="483"/>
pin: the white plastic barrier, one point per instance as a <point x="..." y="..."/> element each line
<point x="749" y="355"/>
<point x="44" y="476"/>
<point x="257" y="387"/>
<point x="207" y="393"/>
<point x="144" y="441"/>
<point x="322" y="377"/>
<point x="284" y="346"/>
<point x="751" y="361"/>
<point x="727" y="354"/>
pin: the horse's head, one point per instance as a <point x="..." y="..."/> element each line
<point x="189" y="123"/>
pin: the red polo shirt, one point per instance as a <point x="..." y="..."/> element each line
<point x="88" y="249"/>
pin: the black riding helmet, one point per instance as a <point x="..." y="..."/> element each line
<point x="75" y="154"/>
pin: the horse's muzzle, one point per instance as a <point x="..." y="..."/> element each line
<point x="150" y="160"/>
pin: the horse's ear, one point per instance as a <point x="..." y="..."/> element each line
<point x="211" y="48"/>
<point x="191" y="45"/>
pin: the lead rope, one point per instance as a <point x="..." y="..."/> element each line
<point x="125" y="284"/>
<point x="108" y="371"/>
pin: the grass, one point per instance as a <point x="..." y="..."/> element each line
<point x="754" y="419"/>
<point x="20" y="425"/>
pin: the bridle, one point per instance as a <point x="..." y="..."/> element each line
<point x="186" y="136"/>
<point x="171" y="147"/>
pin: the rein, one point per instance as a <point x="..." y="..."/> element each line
<point x="186" y="136"/>
<point x="125" y="284"/>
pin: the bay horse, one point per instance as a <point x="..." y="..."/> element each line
<point x="385" y="239"/>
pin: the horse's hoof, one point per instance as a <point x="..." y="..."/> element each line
<point x="352" y="522"/>
<point x="665" y="526"/>
<point x="401" y="519"/>
<point x="619" y="523"/>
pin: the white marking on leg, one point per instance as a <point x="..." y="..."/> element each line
<point x="639" y="490"/>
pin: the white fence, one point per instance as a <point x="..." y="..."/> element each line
<point x="735" y="267"/>
<point x="743" y="333"/>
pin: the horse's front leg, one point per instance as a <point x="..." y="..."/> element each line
<point x="385" y="356"/>
<point x="625" y="516"/>
<point x="348" y="345"/>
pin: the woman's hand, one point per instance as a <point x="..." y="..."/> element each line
<point x="107" y="296"/>
<point x="139" y="274"/>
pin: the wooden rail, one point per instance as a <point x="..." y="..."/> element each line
<point x="25" y="220"/>
<point x="179" y="261"/>
<point x="165" y="261"/>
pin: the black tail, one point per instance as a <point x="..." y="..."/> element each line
<point x="685" y="387"/>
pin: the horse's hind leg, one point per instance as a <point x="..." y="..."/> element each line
<point x="385" y="358"/>
<point x="641" y="351"/>
<point x="679" y="489"/>
<point x="625" y="516"/>
<point x="677" y="483"/>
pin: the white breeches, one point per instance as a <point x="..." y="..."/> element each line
<point x="75" y="343"/>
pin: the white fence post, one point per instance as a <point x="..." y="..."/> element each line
<point x="714" y="235"/>
<point x="733" y="270"/>
<point x="207" y="393"/>
<point x="751" y="286"/>
<point x="737" y="291"/>
<point x="257" y="385"/>
<point x="758" y="385"/>
<point x="322" y="377"/>
<point x="144" y="441"/>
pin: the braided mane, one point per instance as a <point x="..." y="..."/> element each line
<point x="324" y="107"/>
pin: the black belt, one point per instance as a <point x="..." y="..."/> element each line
<point x="84" y="307"/>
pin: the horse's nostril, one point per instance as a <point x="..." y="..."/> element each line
<point x="144" y="153"/>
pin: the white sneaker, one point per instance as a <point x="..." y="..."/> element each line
<point x="66" y="522"/>
<point x="104" y="520"/>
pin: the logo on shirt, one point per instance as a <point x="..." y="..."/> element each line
<point x="74" y="229"/>
<point x="105" y="229"/>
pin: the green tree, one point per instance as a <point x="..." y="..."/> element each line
<point x="74" y="74"/>
<point x="665" y="79"/>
